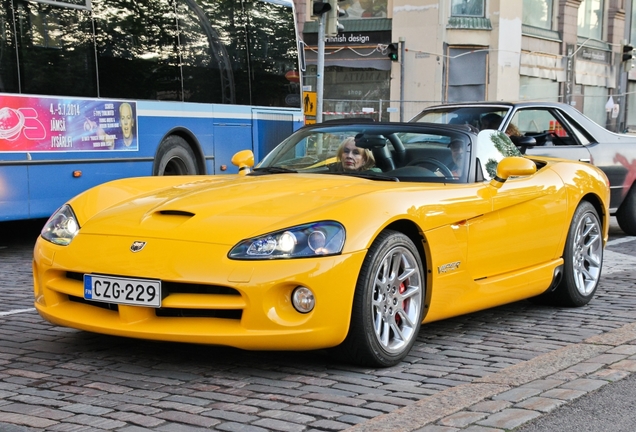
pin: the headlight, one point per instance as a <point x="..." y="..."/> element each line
<point x="62" y="227"/>
<point x="303" y="241"/>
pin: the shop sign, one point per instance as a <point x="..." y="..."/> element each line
<point x="351" y="38"/>
<point x="592" y="54"/>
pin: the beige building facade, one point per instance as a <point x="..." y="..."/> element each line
<point x="472" y="50"/>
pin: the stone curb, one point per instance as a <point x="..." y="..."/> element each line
<point x="431" y="409"/>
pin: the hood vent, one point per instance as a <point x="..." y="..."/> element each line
<point x="176" y="213"/>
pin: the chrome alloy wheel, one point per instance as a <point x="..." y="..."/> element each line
<point x="587" y="254"/>
<point x="396" y="300"/>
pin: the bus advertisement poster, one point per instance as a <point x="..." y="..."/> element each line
<point x="50" y="124"/>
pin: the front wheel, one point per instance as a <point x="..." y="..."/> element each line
<point x="583" y="258"/>
<point x="387" y="305"/>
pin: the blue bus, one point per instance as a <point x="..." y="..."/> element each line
<point x="94" y="90"/>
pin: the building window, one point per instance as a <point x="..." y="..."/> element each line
<point x="533" y="89"/>
<point x="462" y="86"/>
<point x="472" y="8"/>
<point x="594" y="102"/>
<point x="538" y="13"/>
<point x="590" y="20"/>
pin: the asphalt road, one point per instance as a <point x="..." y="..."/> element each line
<point x="612" y="408"/>
<point x="498" y="369"/>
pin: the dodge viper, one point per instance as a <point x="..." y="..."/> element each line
<point x="346" y="237"/>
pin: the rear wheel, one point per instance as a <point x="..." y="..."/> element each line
<point x="387" y="306"/>
<point x="175" y="157"/>
<point x="583" y="258"/>
<point x="626" y="214"/>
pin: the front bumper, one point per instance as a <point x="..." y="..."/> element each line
<point x="209" y="299"/>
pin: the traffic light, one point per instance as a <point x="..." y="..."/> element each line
<point x="332" y="26"/>
<point x="392" y="52"/>
<point x="319" y="7"/>
<point x="628" y="52"/>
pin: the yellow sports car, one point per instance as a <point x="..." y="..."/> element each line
<point x="346" y="236"/>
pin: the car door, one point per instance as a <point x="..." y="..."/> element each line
<point x="525" y="225"/>
<point x="506" y="250"/>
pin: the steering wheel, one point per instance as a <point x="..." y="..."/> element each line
<point x="548" y="136"/>
<point x="431" y="162"/>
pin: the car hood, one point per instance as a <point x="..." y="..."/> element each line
<point x="225" y="211"/>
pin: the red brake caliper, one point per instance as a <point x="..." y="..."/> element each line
<point x="401" y="289"/>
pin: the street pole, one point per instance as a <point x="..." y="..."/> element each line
<point x="320" y="73"/>
<point x="402" y="51"/>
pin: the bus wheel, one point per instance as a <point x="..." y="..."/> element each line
<point x="175" y="157"/>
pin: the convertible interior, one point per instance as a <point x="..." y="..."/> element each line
<point x="401" y="153"/>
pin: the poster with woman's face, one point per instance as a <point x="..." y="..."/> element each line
<point x="58" y="124"/>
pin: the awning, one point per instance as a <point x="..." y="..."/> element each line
<point x="358" y="57"/>
<point x="542" y="66"/>
<point x="595" y="74"/>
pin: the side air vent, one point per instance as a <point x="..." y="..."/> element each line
<point x="176" y="213"/>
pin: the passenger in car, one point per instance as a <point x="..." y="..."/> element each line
<point x="457" y="153"/>
<point x="513" y="131"/>
<point x="491" y="121"/>
<point x="352" y="158"/>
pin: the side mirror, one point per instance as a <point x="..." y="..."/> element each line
<point x="244" y="160"/>
<point x="513" y="166"/>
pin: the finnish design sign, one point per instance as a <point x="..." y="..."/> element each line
<point x="352" y="39"/>
<point x="50" y="124"/>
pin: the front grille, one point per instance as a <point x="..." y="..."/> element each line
<point x="103" y="305"/>
<point x="199" y="313"/>
<point x="168" y="288"/>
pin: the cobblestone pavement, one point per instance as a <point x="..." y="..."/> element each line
<point x="487" y="371"/>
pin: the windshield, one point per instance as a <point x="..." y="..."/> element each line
<point x="381" y="151"/>
<point x="479" y="117"/>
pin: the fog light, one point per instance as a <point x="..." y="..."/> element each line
<point x="303" y="299"/>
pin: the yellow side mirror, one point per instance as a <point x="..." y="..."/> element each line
<point x="513" y="166"/>
<point x="244" y="160"/>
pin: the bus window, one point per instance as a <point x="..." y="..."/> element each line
<point x="9" y="65"/>
<point x="137" y="50"/>
<point x="269" y="53"/>
<point x="207" y="67"/>
<point x="55" y="49"/>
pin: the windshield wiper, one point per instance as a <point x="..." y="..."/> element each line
<point x="272" y="170"/>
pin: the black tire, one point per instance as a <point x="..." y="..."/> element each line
<point x="388" y="303"/>
<point x="583" y="258"/>
<point x="626" y="214"/>
<point x="175" y="157"/>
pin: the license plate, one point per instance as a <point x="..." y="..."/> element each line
<point x="136" y="292"/>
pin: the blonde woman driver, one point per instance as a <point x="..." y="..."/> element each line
<point x="352" y="158"/>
